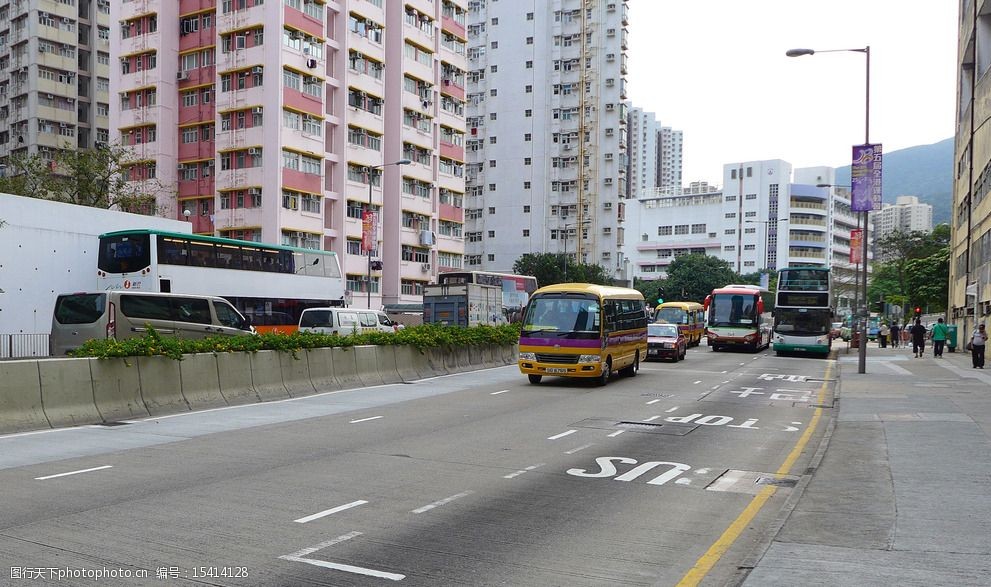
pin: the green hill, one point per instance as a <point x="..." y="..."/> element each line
<point x="925" y="171"/>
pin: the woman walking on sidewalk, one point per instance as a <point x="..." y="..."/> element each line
<point x="977" y="342"/>
<point x="918" y="338"/>
<point x="939" y="333"/>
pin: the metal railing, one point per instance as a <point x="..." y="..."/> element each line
<point x="17" y="346"/>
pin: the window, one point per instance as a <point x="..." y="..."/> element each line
<point x="526" y="185"/>
<point x="526" y="232"/>
<point x="527" y="137"/>
<point x="492" y="209"/>
<point x="526" y="209"/>
<point x="698" y="229"/>
<point x="681" y="229"/>
<point x="663" y="231"/>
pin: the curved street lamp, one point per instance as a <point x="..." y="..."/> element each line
<point x="862" y="314"/>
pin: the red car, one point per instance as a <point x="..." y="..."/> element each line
<point x="664" y="341"/>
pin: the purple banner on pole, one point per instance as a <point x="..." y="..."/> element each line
<point x="865" y="178"/>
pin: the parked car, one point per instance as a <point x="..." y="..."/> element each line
<point x="836" y="330"/>
<point x="664" y="341"/>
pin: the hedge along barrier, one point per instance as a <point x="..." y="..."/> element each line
<point x="38" y="394"/>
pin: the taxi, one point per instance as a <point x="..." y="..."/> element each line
<point x="665" y="341"/>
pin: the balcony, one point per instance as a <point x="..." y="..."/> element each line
<point x="196" y="187"/>
<point x="452" y="151"/>
<point x="451" y="88"/>
<point x="307" y="182"/>
<point x="452" y="26"/>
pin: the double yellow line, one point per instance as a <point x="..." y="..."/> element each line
<point x="708" y="560"/>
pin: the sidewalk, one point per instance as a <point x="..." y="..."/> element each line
<point x="902" y="495"/>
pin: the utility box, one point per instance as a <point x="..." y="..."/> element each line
<point x="468" y="304"/>
<point x="951" y="337"/>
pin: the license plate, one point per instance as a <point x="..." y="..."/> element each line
<point x="557" y="370"/>
<point x="653" y="352"/>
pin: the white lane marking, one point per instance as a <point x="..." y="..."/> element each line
<point x="323" y="545"/>
<point x="439" y="503"/>
<point x="652" y="402"/>
<point x="73" y="473"/>
<point x="521" y="471"/>
<point x="366" y="419"/>
<point x="616" y="433"/>
<point x="651" y="419"/>
<point x="561" y="435"/>
<point x="683" y="482"/>
<point x="742" y="364"/>
<point x="298" y="557"/>
<point x="668" y="411"/>
<point x="702" y="471"/>
<point x="724" y="371"/>
<point x="339" y="508"/>
<point x="697" y="382"/>
<point x="498" y="392"/>
<point x="574" y="450"/>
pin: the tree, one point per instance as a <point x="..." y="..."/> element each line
<point x="913" y="269"/>
<point x="87" y="177"/>
<point x="693" y="277"/>
<point x="551" y="268"/>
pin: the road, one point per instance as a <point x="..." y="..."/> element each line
<point x="471" y="479"/>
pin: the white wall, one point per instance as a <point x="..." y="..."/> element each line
<point x="50" y="248"/>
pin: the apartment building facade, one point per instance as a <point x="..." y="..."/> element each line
<point x="54" y="76"/>
<point x="643" y="151"/>
<point x="669" y="153"/>
<point x="759" y="220"/>
<point x="547" y="125"/>
<point x="907" y="214"/>
<point x="290" y="125"/>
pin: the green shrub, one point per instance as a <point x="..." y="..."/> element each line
<point x="420" y="337"/>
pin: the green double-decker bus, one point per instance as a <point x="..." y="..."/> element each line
<point x="803" y="311"/>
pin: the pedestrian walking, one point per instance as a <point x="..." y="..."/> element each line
<point x="882" y="335"/>
<point x="918" y="338"/>
<point x="976" y="346"/>
<point x="939" y="333"/>
<point x="895" y="334"/>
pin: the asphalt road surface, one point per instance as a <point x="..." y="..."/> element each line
<point x="677" y="474"/>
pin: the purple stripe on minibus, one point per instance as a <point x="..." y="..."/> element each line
<point x="562" y="342"/>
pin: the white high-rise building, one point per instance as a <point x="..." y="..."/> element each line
<point x="644" y="151"/>
<point x="546" y="143"/>
<point x="669" y="157"/>
<point x="907" y="214"/>
<point x="760" y="220"/>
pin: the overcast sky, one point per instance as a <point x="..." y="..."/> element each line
<point x="717" y="70"/>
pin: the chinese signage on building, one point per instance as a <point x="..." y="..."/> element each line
<point x="856" y="243"/>
<point x="865" y="178"/>
<point x="369" y="231"/>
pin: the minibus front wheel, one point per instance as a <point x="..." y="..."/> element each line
<point x="606" y="372"/>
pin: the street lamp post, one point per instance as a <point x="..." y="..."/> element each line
<point x="767" y="238"/>
<point x="862" y="355"/>
<point x="371" y="169"/>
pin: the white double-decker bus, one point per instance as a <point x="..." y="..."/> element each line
<point x="803" y="310"/>
<point x="269" y="284"/>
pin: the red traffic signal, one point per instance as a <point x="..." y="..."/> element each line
<point x="918" y="311"/>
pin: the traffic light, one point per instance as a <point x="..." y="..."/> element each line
<point x="918" y="310"/>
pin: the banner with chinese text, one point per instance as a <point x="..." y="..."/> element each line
<point x="865" y="178"/>
<point x="369" y="231"/>
<point x="856" y="243"/>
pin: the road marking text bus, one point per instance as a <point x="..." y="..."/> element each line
<point x="583" y="330"/>
<point x="270" y="284"/>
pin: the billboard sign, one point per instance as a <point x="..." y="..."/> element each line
<point x="369" y="231"/>
<point x="865" y="178"/>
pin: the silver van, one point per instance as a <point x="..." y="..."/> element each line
<point x="344" y="321"/>
<point x="125" y="314"/>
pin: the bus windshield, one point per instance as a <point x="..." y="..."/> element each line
<point x="124" y="253"/>
<point x="672" y="316"/>
<point x="732" y="310"/>
<point x="802" y="321"/>
<point x="570" y="317"/>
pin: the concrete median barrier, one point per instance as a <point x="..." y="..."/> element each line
<point x="387" y="367"/>
<point x="266" y="376"/>
<point x="20" y="397"/>
<point x="67" y="393"/>
<point x="346" y="367"/>
<point x="476" y="359"/>
<point x="234" y="375"/>
<point x="160" y="385"/>
<point x="201" y="381"/>
<point x="321" y="365"/>
<point x="296" y="374"/>
<point x="366" y="361"/>
<point x="437" y="361"/>
<point x="407" y="358"/>
<point x="117" y="389"/>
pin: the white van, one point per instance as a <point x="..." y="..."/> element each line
<point x="344" y="321"/>
<point x="123" y="314"/>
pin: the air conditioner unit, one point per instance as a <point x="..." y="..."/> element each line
<point x="297" y="234"/>
<point x="608" y="156"/>
<point x="295" y="35"/>
<point x="50" y="96"/>
<point x="181" y="166"/>
<point x="254" y="151"/>
<point x="610" y="107"/>
<point x="610" y="57"/>
<point x="427" y="238"/>
<point x="63" y="125"/>
<point x="256" y="69"/>
<point x="425" y="267"/>
<point x="181" y="75"/>
<point x="607" y="205"/>
<point x="311" y="63"/>
<point x="606" y="230"/>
